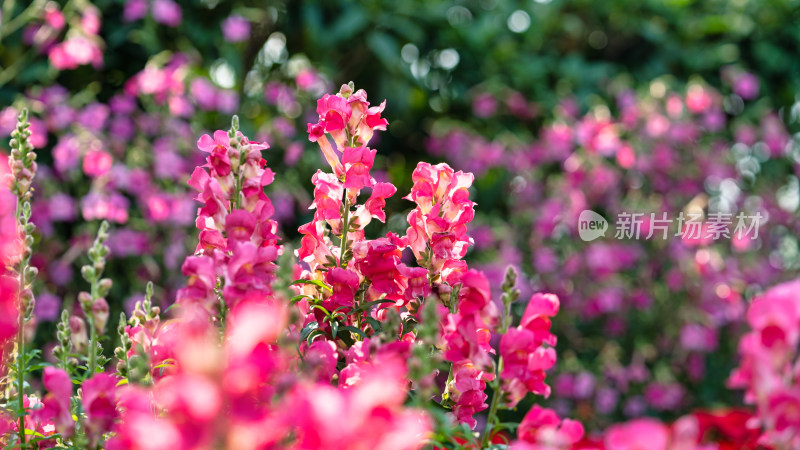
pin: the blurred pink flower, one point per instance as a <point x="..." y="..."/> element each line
<point x="236" y="28"/>
<point x="97" y="163"/>
<point x="167" y="12"/>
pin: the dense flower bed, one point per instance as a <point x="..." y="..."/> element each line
<point x="164" y="291"/>
<point x="672" y="295"/>
<point x="365" y="336"/>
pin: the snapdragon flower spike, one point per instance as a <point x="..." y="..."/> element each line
<point x="525" y="358"/>
<point x="465" y="337"/>
<point x="437" y="232"/>
<point x="237" y="243"/>
<point x="344" y="117"/>
<point x="350" y="121"/>
<point x="467" y="392"/>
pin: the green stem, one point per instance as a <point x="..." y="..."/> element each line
<point x="345" y="227"/>
<point x="92" y="347"/>
<point x="23" y="18"/>
<point x="490" y="419"/>
<point x="92" y="331"/>
<point x="21" y="376"/>
<point x="21" y="343"/>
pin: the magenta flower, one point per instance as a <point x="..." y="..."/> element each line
<point x="57" y="402"/>
<point x="542" y="428"/>
<point x="357" y="164"/>
<point x="236" y="28"/>
<point x="344" y="284"/>
<point x="639" y="433"/>
<point x="97" y="163"/>
<point x="167" y="12"/>
<point x="134" y="10"/>
<point x="98" y="395"/>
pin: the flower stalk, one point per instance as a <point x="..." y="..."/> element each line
<point x="23" y="168"/>
<point x="94" y="303"/>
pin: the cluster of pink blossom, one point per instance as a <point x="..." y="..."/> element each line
<point x="131" y="153"/>
<point x="369" y="324"/>
<point x="69" y="37"/>
<point x="166" y="12"/>
<point x="51" y="414"/>
<point x="91" y="178"/>
<point x="770" y="366"/>
<point x="237" y="240"/>
<point x="670" y="150"/>
<point x="364" y="334"/>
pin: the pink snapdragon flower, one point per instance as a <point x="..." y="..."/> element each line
<point x="467" y="392"/>
<point x="99" y="401"/>
<point x="442" y="212"/>
<point x="636" y="434"/>
<point x="525" y="358"/>
<point x="57" y="402"/>
<point x="770" y="364"/>
<point x="541" y="429"/>
<point x="97" y="163"/>
<point x="76" y="51"/>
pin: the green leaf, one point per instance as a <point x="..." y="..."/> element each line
<point x="506" y="426"/>
<point x="341" y="308"/>
<point x="163" y="365"/>
<point x="355" y="330"/>
<point x="307" y="330"/>
<point x="317" y="283"/>
<point x="174" y="305"/>
<point x="368" y="305"/>
<point x="33" y="433"/>
<point x="375" y="324"/>
<point x="334" y="328"/>
<point x="314" y="333"/>
<point x="322" y="308"/>
<point x="297" y="298"/>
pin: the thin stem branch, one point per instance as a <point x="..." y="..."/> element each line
<point x="92" y="347"/>
<point x="23" y="18"/>
<point x="21" y="376"/>
<point x="345" y="227"/>
<point x="21" y="342"/>
<point x="492" y="417"/>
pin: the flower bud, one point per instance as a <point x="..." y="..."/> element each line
<point x="30" y="274"/>
<point x="85" y="300"/>
<point x="100" y="314"/>
<point x="80" y="340"/>
<point x="104" y="286"/>
<point x="88" y="273"/>
<point x="347" y="89"/>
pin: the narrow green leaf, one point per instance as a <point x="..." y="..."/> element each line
<point x="334" y="328"/>
<point x="297" y="298"/>
<point x="376" y="326"/>
<point x="308" y="329"/>
<point x="354" y="330"/>
<point x="317" y="283"/>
